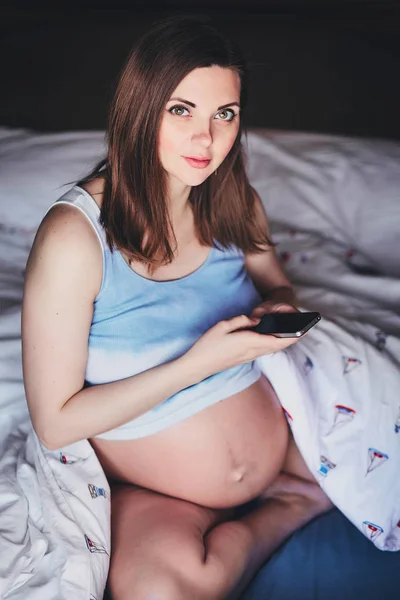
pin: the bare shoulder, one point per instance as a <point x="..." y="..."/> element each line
<point x="66" y="241"/>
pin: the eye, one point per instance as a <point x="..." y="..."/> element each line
<point x="227" y="112"/>
<point x="178" y="110"/>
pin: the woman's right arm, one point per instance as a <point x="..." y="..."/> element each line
<point x="63" y="277"/>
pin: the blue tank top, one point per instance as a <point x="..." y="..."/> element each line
<point x="140" y="323"/>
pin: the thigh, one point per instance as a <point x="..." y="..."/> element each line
<point x="157" y="542"/>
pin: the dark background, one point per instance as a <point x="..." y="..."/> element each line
<point x="329" y="66"/>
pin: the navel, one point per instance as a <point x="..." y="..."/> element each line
<point x="237" y="475"/>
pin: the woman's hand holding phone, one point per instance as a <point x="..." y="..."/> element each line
<point x="283" y="320"/>
<point x="269" y="306"/>
<point x="230" y="343"/>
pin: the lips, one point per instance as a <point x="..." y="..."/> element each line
<point x="197" y="162"/>
<point x="198" y="157"/>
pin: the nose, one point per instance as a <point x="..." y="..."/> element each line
<point x="202" y="134"/>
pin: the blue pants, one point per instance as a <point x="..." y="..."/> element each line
<point x="329" y="559"/>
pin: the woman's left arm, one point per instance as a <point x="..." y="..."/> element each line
<point x="267" y="274"/>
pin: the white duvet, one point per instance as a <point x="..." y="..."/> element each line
<point x="334" y="209"/>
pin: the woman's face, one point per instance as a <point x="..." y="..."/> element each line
<point x="200" y="120"/>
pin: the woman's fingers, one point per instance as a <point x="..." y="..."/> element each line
<point x="239" y="322"/>
<point x="284" y="308"/>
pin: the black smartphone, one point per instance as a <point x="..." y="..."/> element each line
<point x="287" y="325"/>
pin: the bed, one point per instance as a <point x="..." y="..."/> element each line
<point x="332" y="197"/>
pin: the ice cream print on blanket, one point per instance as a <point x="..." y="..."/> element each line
<point x="345" y="422"/>
<point x="375" y="459"/>
<point x="94" y="547"/>
<point x="343" y="415"/>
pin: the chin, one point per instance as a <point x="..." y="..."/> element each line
<point x="194" y="180"/>
<point x="198" y="181"/>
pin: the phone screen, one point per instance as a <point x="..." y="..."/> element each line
<point x="287" y="324"/>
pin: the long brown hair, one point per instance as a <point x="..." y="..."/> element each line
<point x="135" y="182"/>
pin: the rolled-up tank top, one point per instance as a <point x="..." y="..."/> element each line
<point x="139" y="323"/>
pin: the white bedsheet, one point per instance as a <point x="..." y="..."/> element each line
<point x="341" y="252"/>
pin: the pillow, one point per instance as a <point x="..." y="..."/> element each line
<point x="34" y="168"/>
<point x="346" y="189"/>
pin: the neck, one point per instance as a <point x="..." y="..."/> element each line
<point x="178" y="200"/>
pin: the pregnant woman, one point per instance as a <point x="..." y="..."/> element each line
<point x="141" y="287"/>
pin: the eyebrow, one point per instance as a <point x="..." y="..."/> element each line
<point x="194" y="106"/>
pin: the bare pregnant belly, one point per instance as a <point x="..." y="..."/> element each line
<point x="223" y="456"/>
